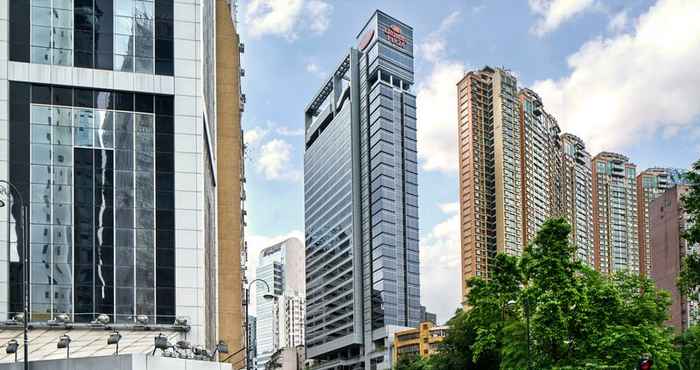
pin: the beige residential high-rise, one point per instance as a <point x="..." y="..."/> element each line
<point x="490" y="165"/>
<point x="577" y="195"/>
<point x="540" y="167"/>
<point x="516" y="171"/>
<point x="615" y="213"/>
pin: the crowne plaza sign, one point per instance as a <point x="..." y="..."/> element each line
<point x="393" y="34"/>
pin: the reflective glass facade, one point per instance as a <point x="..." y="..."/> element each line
<point x="121" y="35"/>
<point x="361" y="201"/>
<point x="101" y="215"/>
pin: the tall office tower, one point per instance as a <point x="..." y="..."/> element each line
<point x="111" y="116"/>
<point x="540" y="165"/>
<point x="577" y="196"/>
<point x="614" y="213"/>
<point x="651" y="183"/>
<point x="361" y="202"/>
<point x="490" y="169"/>
<point x="281" y="266"/>
<point x="668" y="222"/>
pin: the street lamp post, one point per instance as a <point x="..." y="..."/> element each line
<point x="268" y="295"/>
<point x="24" y="213"/>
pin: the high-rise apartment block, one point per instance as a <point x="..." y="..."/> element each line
<point x="668" y="223"/>
<point x="279" y="321"/>
<point x="577" y="195"/>
<point x="490" y="168"/>
<point x="651" y="183"/>
<point x="517" y="170"/>
<point x="361" y="202"/>
<point x="540" y="165"/>
<point x="615" y="225"/>
<point x="120" y="127"/>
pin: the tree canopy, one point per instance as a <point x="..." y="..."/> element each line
<point x="545" y="310"/>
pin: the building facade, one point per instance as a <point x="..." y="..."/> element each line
<point x="668" y="222"/>
<point x="540" y="165"/>
<point x="490" y="169"/>
<point x="361" y="202"/>
<point x="615" y="225"/>
<point x="279" y="321"/>
<point x="109" y="132"/>
<point x="577" y="194"/>
<point x="651" y="183"/>
<point x="421" y="342"/>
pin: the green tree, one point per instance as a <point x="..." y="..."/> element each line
<point x="689" y="344"/>
<point x="547" y="311"/>
<point x="411" y="363"/>
<point x="689" y="277"/>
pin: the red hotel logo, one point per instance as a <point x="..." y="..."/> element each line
<point x="393" y="34"/>
<point x="365" y="40"/>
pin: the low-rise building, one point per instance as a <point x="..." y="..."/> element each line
<point x="422" y="341"/>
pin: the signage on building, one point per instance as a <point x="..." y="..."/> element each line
<point x="393" y="34"/>
<point x="365" y="40"/>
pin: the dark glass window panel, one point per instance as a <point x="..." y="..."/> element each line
<point x="41" y="94"/>
<point x="165" y="219"/>
<point x="124" y="101"/>
<point x="164" y="49"/>
<point x="164" y="162"/>
<point x="164" y="67"/>
<point x="165" y="143"/>
<point x="83" y="98"/>
<point x="164" y="9"/>
<point x="165" y="305"/>
<point x="104" y="16"/>
<point x="63" y="96"/>
<point x="84" y="41"/>
<point x="143" y="103"/>
<point x="20" y="24"/>
<point x="165" y="276"/>
<point x="164" y="106"/>
<point x="165" y="238"/>
<point x="165" y="181"/>
<point x="164" y="29"/>
<point x="84" y="59"/>
<point x="165" y="256"/>
<point x="164" y="199"/>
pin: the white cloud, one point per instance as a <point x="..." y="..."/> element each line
<point x="437" y="102"/>
<point x="433" y="47"/>
<point x="555" y="12"/>
<point x="618" y="22"/>
<point x="437" y="117"/>
<point x="320" y="14"/>
<point x="440" y="265"/>
<point x="254" y="136"/>
<point x="274" y="161"/>
<point x="634" y="84"/>
<point x="314" y="69"/>
<point x="257" y="243"/>
<point x="284" y="17"/>
<point x="287" y="131"/>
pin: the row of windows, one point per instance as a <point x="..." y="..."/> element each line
<point x="120" y="35"/>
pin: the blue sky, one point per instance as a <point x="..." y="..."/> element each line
<point x="620" y="74"/>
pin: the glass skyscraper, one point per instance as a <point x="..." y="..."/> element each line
<point x="361" y="202"/>
<point x="109" y="131"/>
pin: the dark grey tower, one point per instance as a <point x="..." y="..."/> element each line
<point x="361" y="202"/>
